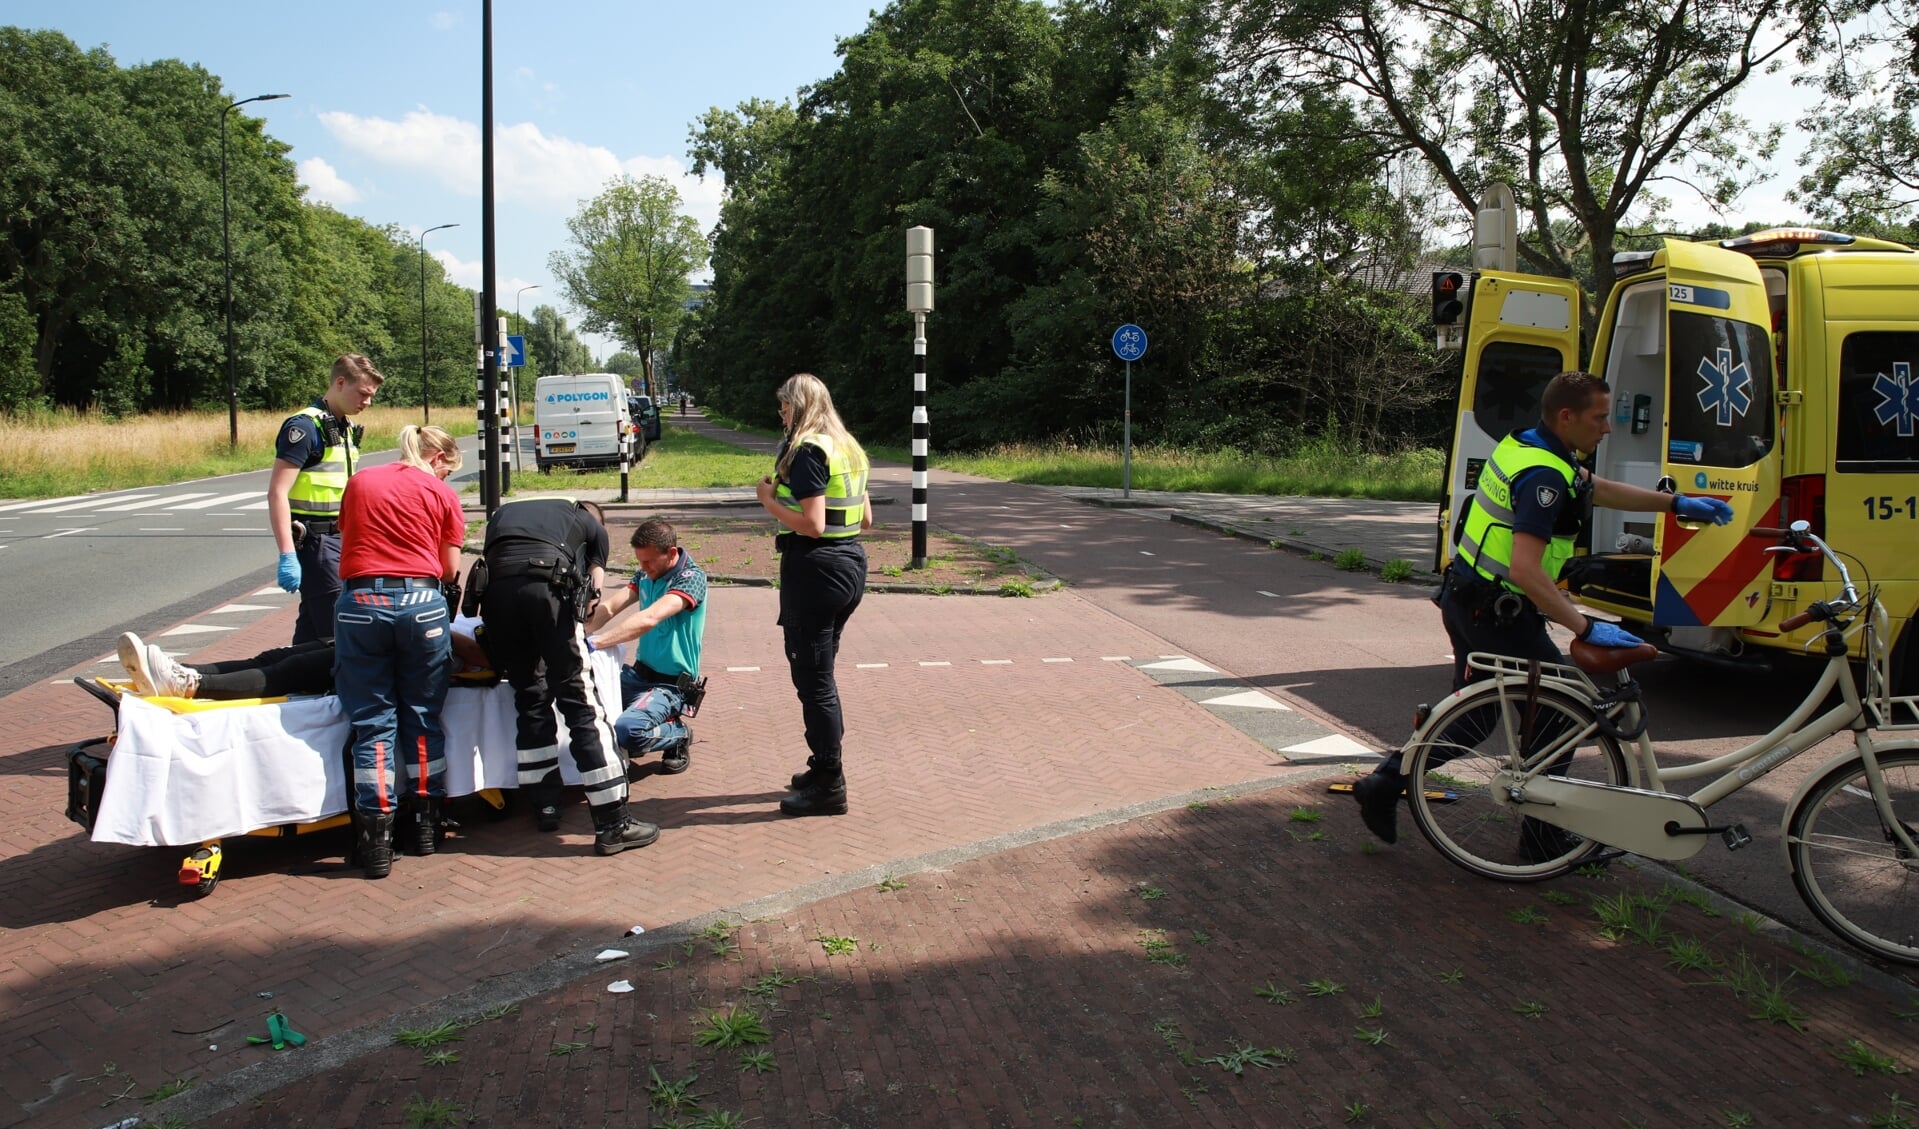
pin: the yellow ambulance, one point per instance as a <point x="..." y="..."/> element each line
<point x="1778" y="372"/>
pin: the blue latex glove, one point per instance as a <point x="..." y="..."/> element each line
<point x="1701" y="509"/>
<point x="290" y="572"/>
<point x="590" y="648"/>
<point x="1604" y="634"/>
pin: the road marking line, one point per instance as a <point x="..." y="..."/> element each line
<point x="85" y="505"/>
<point x="269" y="590"/>
<point x="869" y="666"/>
<point x="40" y="502"/>
<point x="996" y="662"/>
<point x="1193" y="666"/>
<point x="1144" y="553"/>
<point x="194" y="629"/>
<point x="245" y="608"/>
<point x="1115" y="658"/>
<point x="163" y="500"/>
<point x="209" y="503"/>
<point x="1264" y="592"/>
<point x="936" y="664"/>
<point x="163" y="529"/>
<point x="742" y="669"/>
<point x="1056" y="660"/>
<point x="69" y="532"/>
<point x="260" y="505"/>
<point x="1333" y="744"/>
<point x="1247" y="699"/>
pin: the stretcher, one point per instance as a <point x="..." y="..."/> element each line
<point x="190" y="773"/>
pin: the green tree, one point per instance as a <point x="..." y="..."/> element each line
<point x="633" y="252"/>
<point x="1863" y="166"/>
<point x="553" y="347"/>
<point x="626" y="364"/>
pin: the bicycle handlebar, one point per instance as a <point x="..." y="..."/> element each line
<point x="1800" y="538"/>
<point x="1793" y="623"/>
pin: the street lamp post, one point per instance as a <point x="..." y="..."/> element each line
<point x="226" y="248"/>
<point x="518" y="320"/>
<point x="426" y="400"/>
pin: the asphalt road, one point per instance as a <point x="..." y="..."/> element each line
<point x="75" y="572"/>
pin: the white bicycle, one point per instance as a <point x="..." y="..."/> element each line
<point x="1524" y="774"/>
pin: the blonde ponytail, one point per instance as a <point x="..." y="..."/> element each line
<point x="417" y="444"/>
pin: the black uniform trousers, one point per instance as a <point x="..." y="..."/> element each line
<point x="319" y="557"/>
<point x="305" y="668"/>
<point x="538" y="646"/>
<point x="821" y="584"/>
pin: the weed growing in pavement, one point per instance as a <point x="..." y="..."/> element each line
<point x="1737" y="1119"/>
<point x="1697" y="899"/>
<point x="1196" y="805"/>
<point x="1910" y="1014"/>
<point x="1273" y="994"/>
<point x="838" y="946"/>
<point x="940" y="590"/>
<point x="1527" y="915"/>
<point x="1372" y="1010"/>
<point x="447" y="1031"/>
<point x="1395" y="570"/>
<point x="1630" y="916"/>
<point x="665" y="965"/>
<point x="1304" y="815"/>
<point x="442" y="1058"/>
<point x="1750" y="921"/>
<point x="732" y="1028"/>
<point x="1593" y="870"/>
<point x="1175" y="1040"/>
<point x="1315" y="556"/>
<point x="168" y="1089"/>
<point x="1368" y="847"/>
<point x="1893" y="1118"/>
<point x="1323" y="987"/>
<point x="1690" y="954"/>
<point x="437" y="1113"/>
<point x="1559" y="897"/>
<point x="1372" y="1036"/>
<point x="687" y="946"/>
<point x="719" y="1119"/>
<point x="561" y="1050"/>
<point x="1019" y="589"/>
<point x="1356" y="1111"/>
<point x="759" y="1062"/>
<point x="1158" y="949"/>
<point x="1350" y="560"/>
<point x="1863" y="1060"/>
<point x="1200" y="938"/>
<point x="1278" y="544"/>
<point x="1452" y="976"/>
<point x="891" y="570"/>
<point x="889" y="884"/>
<point x="1531" y="1009"/>
<point x="769" y="985"/>
<point x="1822" y="969"/>
<point x="492" y="1013"/>
<point x="1242" y="1056"/>
<point x="672" y="1097"/>
<point x="1192" y="1093"/>
<point x="1764" y="992"/>
<point x="1151" y="893"/>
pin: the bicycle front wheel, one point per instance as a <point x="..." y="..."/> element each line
<point x="1856" y="877"/>
<point x="1478" y="733"/>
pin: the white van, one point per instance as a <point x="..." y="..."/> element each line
<point x="582" y="420"/>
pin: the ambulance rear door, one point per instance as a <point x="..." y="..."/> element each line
<point x="1521" y="330"/>
<point x="1720" y="438"/>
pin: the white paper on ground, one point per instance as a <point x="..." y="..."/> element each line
<point x="610" y="954"/>
<point x="619" y="986"/>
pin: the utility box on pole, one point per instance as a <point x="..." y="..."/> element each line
<point x="919" y="302"/>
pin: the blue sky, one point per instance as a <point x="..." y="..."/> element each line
<point x="385" y="107"/>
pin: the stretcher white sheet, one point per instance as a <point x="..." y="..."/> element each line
<point x="181" y="779"/>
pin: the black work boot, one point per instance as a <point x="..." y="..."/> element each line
<point x="546" y="801"/>
<point x="675" y="758"/>
<point x="423" y="834"/>
<point x="373" y="842"/>
<point x="1378" y="794"/>
<point x="824" y="794"/>
<point x="814" y="772"/>
<point x="614" y="830"/>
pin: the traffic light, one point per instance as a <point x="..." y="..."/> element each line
<point x="1446" y="304"/>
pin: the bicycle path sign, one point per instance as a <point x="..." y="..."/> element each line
<point x="1129" y="342"/>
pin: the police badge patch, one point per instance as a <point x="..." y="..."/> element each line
<point x="294" y="434"/>
<point x="1548" y="496"/>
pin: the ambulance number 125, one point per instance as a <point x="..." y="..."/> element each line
<point x="1885" y="508"/>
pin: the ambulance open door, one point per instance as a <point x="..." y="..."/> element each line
<point x="1688" y="354"/>
<point x="1521" y="329"/>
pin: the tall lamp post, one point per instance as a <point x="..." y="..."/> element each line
<point x="226" y="248"/>
<point x="426" y="400"/>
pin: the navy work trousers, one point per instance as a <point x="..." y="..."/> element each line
<point x="821" y="584"/>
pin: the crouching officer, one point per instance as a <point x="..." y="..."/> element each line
<point x="544" y="561"/>
<point x="1502" y="586"/>
<point x="663" y="684"/>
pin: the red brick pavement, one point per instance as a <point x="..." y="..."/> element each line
<point x="1016" y="989"/>
<point x="102" y="960"/>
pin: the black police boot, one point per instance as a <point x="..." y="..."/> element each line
<point x="824" y="794"/>
<point x="1378" y="794"/>
<point x="814" y="772"/>
<point x="675" y="758"/>
<point x="373" y="842"/>
<point x="614" y="830"/>
<point x="423" y="833"/>
<point x="546" y="801"/>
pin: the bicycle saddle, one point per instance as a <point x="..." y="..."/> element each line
<point x="1607" y="660"/>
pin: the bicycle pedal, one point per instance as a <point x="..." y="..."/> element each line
<point x="1735" y="836"/>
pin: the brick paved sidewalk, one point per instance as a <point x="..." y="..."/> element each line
<point x="1227" y="963"/>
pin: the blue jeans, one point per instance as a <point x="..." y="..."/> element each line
<point x="651" y="721"/>
<point x="393" y="654"/>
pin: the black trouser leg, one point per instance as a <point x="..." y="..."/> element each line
<point x="820" y="588"/>
<point x="304" y="668"/>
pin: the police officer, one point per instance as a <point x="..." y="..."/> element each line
<point x="314" y="455"/>
<point x="545" y="559"/>
<point x="818" y="492"/>
<point x="1502" y="586"/>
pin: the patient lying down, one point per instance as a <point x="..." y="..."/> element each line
<point x="302" y="669"/>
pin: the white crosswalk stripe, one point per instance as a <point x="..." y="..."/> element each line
<point x="211" y="502"/>
<point x="165" y="500"/>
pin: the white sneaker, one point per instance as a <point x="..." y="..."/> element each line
<point x="170" y="679"/>
<point x="133" y="656"/>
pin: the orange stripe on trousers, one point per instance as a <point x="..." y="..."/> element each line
<point x="379" y="766"/>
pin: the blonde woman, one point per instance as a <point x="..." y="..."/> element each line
<point x="400" y="534"/>
<point x="818" y="492"/>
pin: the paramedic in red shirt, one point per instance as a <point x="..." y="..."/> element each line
<point x="400" y="535"/>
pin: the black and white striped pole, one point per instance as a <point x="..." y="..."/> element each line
<point x="919" y="301"/>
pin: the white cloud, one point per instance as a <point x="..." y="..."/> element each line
<point x="531" y="167"/>
<point x="459" y="271"/>
<point x="325" y="184"/>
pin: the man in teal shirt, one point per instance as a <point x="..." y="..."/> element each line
<point x="670" y="592"/>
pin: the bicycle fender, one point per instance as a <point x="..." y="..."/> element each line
<point x="1489" y="691"/>
<point x="1818" y="774"/>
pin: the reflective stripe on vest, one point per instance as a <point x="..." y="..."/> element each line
<point x="845" y="490"/>
<point x="1486" y="543"/>
<point x="317" y="489"/>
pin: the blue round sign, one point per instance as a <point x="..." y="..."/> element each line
<point x="1129" y="342"/>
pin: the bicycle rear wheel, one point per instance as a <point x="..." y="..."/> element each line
<point x="1472" y="737"/>
<point x="1845" y="863"/>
